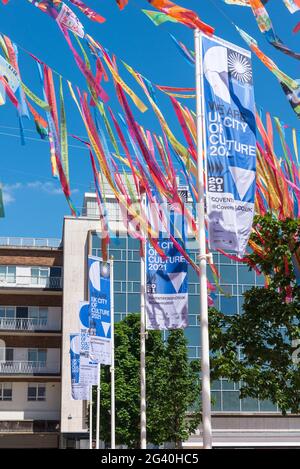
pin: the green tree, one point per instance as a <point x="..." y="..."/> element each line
<point x="172" y="387"/>
<point x="258" y="346"/>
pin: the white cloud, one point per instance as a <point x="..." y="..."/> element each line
<point x="47" y="187"/>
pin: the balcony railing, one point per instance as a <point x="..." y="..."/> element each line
<point x="28" y="367"/>
<point x="23" y="324"/>
<point x="53" y="283"/>
<point x="30" y="242"/>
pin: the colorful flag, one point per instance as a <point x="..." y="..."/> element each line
<point x="230" y="143"/>
<point x="159" y="18"/>
<point x="182" y="15"/>
<point x="10" y="76"/>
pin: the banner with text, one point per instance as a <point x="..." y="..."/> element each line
<point x="88" y="367"/>
<point x="80" y="392"/>
<point x="166" y="297"/>
<point x="229" y="110"/>
<point x="100" y="310"/>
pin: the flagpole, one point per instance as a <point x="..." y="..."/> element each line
<point x="112" y="368"/>
<point x="205" y="365"/>
<point x="91" y="418"/>
<point x="143" y="357"/>
<point x="98" y="407"/>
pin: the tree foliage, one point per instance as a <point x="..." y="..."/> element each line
<point x="172" y="387"/>
<point x="259" y="346"/>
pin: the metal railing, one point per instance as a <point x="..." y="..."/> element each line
<point x="23" y="324"/>
<point x="30" y="242"/>
<point x="10" y="280"/>
<point x="28" y="367"/>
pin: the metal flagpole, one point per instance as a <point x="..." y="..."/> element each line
<point x="91" y="417"/>
<point x="112" y="368"/>
<point x="205" y="366"/>
<point x="98" y="407"/>
<point x="143" y="357"/>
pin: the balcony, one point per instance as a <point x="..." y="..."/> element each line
<point x="23" y="324"/>
<point x="16" y="242"/>
<point x="29" y="426"/>
<point x="28" y="368"/>
<point x="21" y="281"/>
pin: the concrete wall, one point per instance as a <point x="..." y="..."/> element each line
<point x="75" y="239"/>
<point x="20" y="409"/>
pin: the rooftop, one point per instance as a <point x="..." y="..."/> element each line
<point x="36" y="243"/>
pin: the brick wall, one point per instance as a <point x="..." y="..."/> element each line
<point x="42" y="257"/>
<point x="36" y="299"/>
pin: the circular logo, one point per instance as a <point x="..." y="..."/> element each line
<point x="239" y="67"/>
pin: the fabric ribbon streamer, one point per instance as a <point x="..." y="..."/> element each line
<point x="290" y="87"/>
<point x="122" y="3"/>
<point x="266" y="27"/>
<point x="159" y="18"/>
<point x="182" y="15"/>
<point x="188" y="55"/>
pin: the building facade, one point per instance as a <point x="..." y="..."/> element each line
<point x="30" y="342"/>
<point x="39" y="311"/>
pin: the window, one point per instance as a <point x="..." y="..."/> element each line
<point x="8" y="273"/>
<point x="5" y="392"/>
<point x="38" y="315"/>
<point x="39" y="276"/>
<point x="9" y="354"/>
<point x="7" y="312"/>
<point x="36" y="392"/>
<point x="37" y="356"/>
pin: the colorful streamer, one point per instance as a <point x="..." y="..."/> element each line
<point x="182" y="15"/>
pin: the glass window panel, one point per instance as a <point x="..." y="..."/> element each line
<point x="249" y="404"/>
<point x="192" y="275"/>
<point x="10" y="312"/>
<point x="193" y="335"/>
<point x="43" y="313"/>
<point x="216" y="384"/>
<point x="42" y="356"/>
<point x="32" y="392"/>
<point x="116" y="254"/>
<point x="228" y="305"/>
<point x="117" y="286"/>
<point x="120" y="303"/>
<point x="118" y="243"/>
<point x="227" y="384"/>
<point x="134" y="271"/>
<point x="32" y="355"/>
<point x="267" y="406"/>
<point x="223" y="259"/>
<point x="9" y="354"/>
<point x="228" y="273"/>
<point x="134" y="303"/>
<point x="33" y="312"/>
<point x="216" y="400"/>
<point x="245" y="276"/>
<point x="2" y="313"/>
<point x="231" y="401"/>
<point x="120" y="270"/>
<point x="133" y="244"/>
<point x="260" y="280"/>
<point x="41" y="392"/>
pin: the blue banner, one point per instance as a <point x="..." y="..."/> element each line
<point x="88" y="367"/>
<point x="166" y="298"/>
<point x="80" y="391"/>
<point x="100" y="310"/>
<point x="229" y="110"/>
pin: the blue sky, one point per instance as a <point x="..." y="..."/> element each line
<point x="34" y="203"/>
